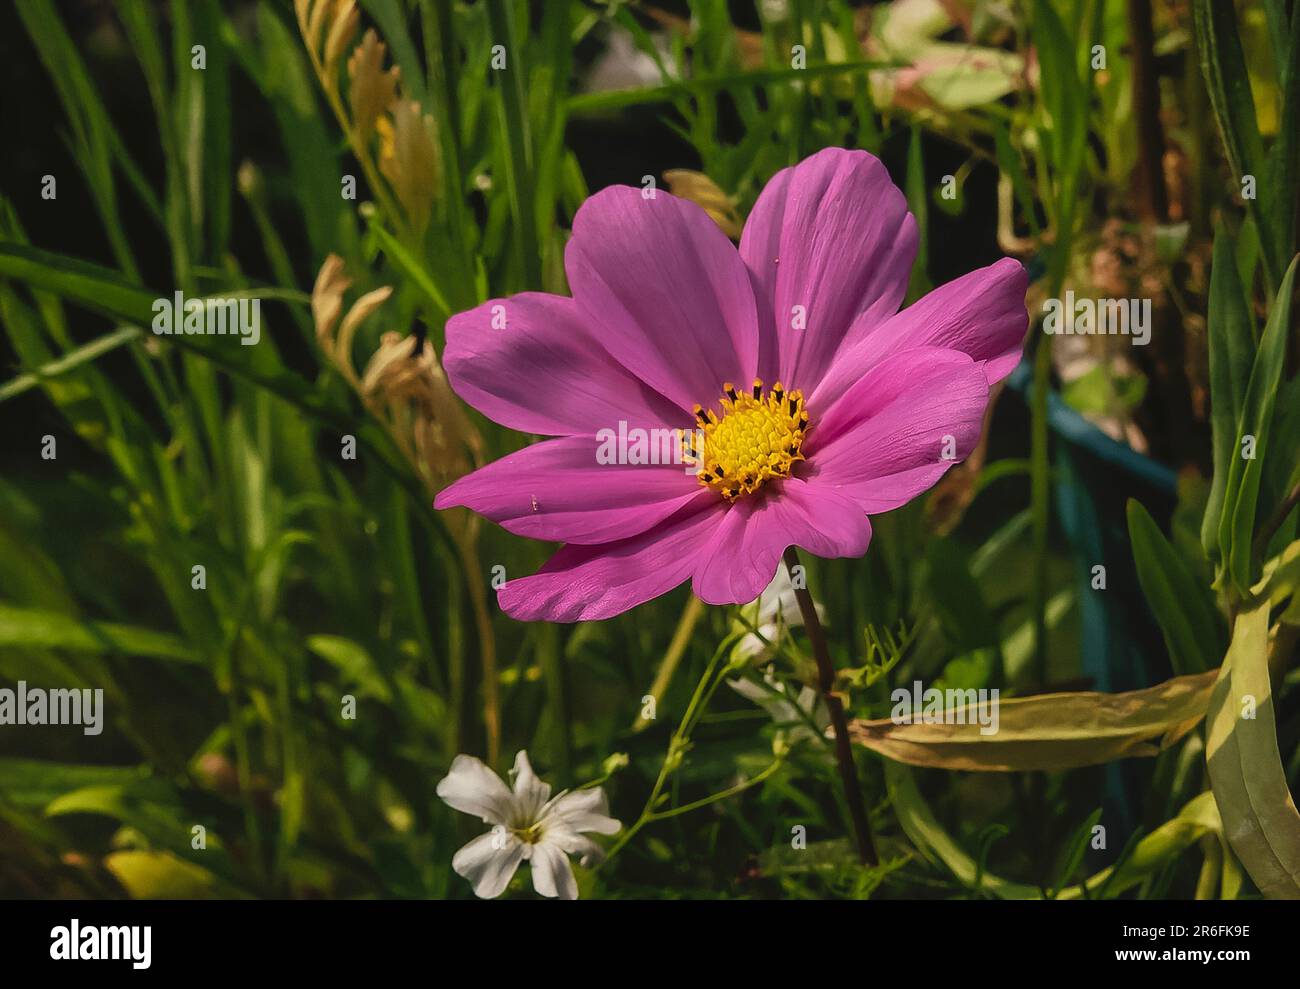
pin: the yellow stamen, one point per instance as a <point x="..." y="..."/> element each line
<point x="529" y="834"/>
<point x="757" y="437"/>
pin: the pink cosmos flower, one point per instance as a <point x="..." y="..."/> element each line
<point x="809" y="401"/>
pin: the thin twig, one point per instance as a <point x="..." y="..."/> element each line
<point x="1269" y="529"/>
<point x="826" y="684"/>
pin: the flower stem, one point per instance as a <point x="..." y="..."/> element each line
<point x="676" y="746"/>
<point x="826" y="684"/>
<point x="676" y="650"/>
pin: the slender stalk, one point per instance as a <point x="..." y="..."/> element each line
<point x="1283" y="641"/>
<point x="703" y="691"/>
<point x="1040" y="498"/>
<point x="557" y="698"/>
<point x="676" y="650"/>
<point x="465" y="547"/>
<point x="721" y="795"/>
<point x="1269" y="528"/>
<point x="517" y="142"/>
<point x="1153" y="197"/>
<point x="826" y="683"/>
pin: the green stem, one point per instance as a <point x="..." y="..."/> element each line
<point x="515" y="133"/>
<point x="676" y="745"/>
<point x="1040" y="500"/>
<point x="557" y="699"/>
<point x="731" y="791"/>
<point x="826" y="683"/>
<point x="673" y="656"/>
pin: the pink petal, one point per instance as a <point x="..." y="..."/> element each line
<point x="744" y="554"/>
<point x="545" y="370"/>
<point x="667" y="290"/>
<point x="883" y="443"/>
<point x="833" y="235"/>
<point x="982" y="314"/>
<point x="589" y="583"/>
<point x="556" y="491"/>
<point x="897" y="377"/>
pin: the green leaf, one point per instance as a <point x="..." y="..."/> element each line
<point x="1148" y="856"/>
<point x="353" y="662"/>
<point x="1281" y="577"/>
<point x="1073" y="850"/>
<point x="1241" y="493"/>
<point x="1011" y="168"/>
<point x="1224" y="66"/>
<point x="153" y="808"/>
<point x="918" y="201"/>
<point x="617" y="99"/>
<point x="96" y="143"/>
<point x="1245" y="765"/>
<point x="958" y="599"/>
<point x="516" y="142"/>
<point x="147" y="875"/>
<point x="30" y="784"/>
<point x="103" y="290"/>
<point x="1282" y="472"/>
<point x="1184" y="608"/>
<point x="1231" y="345"/>
<point x="100" y="289"/>
<point x="1105" y="392"/>
<point x="69" y="361"/>
<point x="1065" y="131"/>
<point x="406" y="263"/>
<point x="1284" y="157"/>
<point x="32" y="628"/>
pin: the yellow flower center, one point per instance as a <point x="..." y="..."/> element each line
<point x="759" y="436"/>
<point x="529" y="834"/>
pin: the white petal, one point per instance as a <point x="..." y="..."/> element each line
<point x="758" y="646"/>
<point x="573" y="843"/>
<point x="808" y="699"/>
<point x="552" y="874"/>
<point x="772" y="601"/>
<point x="779" y="605"/>
<point x="776" y="704"/>
<point x="811" y="701"/>
<point x="581" y="810"/>
<point x="531" y="793"/>
<point x="472" y="788"/>
<point x="488" y="862"/>
<point x="749" y="690"/>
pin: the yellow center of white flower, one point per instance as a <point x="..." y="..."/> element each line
<point x="529" y="834"/>
<point x="759" y="436"/>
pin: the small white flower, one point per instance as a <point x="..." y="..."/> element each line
<point x="528" y="825"/>
<point x="776" y="608"/>
<point x="784" y="707"/>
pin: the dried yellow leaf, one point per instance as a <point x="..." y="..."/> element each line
<point x="704" y="192"/>
<point x="1048" y="731"/>
<point x="373" y="90"/>
<point x="408" y="158"/>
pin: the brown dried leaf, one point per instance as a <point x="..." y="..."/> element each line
<point x="409" y="159"/>
<point x="704" y="192"/>
<point x="1049" y="731"/>
<point x="373" y="91"/>
<point x="342" y="30"/>
<point x="327" y="300"/>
